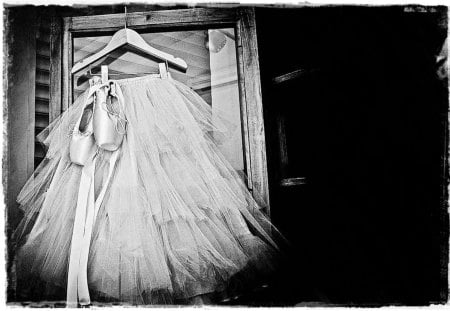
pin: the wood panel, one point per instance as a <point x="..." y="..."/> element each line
<point x="242" y="97"/>
<point x="41" y="106"/>
<point x="19" y="84"/>
<point x="43" y="48"/>
<point x="43" y="62"/>
<point x="163" y="18"/>
<point x="253" y="103"/>
<point x="42" y="76"/>
<point x="67" y="57"/>
<point x="55" y="68"/>
<point x="42" y="91"/>
<point x="20" y="102"/>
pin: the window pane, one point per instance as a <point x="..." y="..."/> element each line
<point x="212" y="71"/>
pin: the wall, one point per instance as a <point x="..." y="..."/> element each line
<point x="20" y="60"/>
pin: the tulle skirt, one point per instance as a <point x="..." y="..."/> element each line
<point x="176" y="220"/>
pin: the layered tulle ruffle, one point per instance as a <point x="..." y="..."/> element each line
<point x="176" y="221"/>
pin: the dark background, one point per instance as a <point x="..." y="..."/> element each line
<point x="365" y="126"/>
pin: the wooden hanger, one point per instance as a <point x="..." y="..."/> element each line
<point x="130" y="37"/>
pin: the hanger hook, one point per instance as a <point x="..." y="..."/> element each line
<point x="125" y="17"/>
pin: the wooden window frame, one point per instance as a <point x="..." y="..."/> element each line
<point x="243" y="21"/>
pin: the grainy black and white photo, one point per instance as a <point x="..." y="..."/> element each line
<point x="232" y="155"/>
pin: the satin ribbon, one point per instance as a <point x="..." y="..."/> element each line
<point x="85" y="215"/>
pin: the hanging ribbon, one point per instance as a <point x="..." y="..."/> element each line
<point x="85" y="215"/>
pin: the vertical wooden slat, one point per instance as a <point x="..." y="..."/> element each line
<point x="67" y="64"/>
<point x="245" y="137"/>
<point x="55" y="68"/>
<point x="253" y="102"/>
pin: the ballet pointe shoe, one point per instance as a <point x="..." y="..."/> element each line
<point x="82" y="144"/>
<point x="108" y="123"/>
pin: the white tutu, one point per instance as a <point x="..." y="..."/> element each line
<point x="176" y="220"/>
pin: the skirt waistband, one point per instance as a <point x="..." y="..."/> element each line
<point x="154" y="76"/>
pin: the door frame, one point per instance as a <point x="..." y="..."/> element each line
<point x="243" y="21"/>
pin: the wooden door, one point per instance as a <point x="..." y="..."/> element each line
<point x="356" y="123"/>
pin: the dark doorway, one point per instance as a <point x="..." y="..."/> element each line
<point x="356" y="128"/>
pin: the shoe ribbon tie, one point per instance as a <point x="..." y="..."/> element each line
<point x="87" y="209"/>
